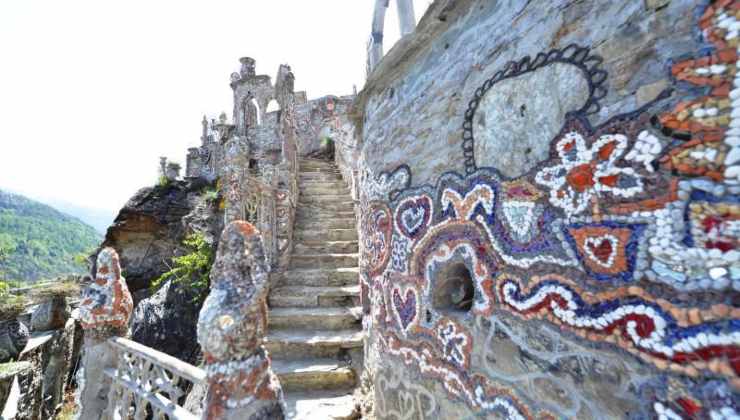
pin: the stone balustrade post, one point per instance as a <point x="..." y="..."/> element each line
<point x="231" y="328"/>
<point x="105" y="309"/>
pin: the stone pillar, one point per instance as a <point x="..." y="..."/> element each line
<point x="231" y="328"/>
<point x="173" y="171"/>
<point x="247" y="69"/>
<point x="105" y="309"/>
<point x="193" y="163"/>
<point x="375" y="47"/>
<point x="406" y="17"/>
<point x="204" y="132"/>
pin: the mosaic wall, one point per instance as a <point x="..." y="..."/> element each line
<point x="586" y="265"/>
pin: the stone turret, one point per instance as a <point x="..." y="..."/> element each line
<point x="248" y="67"/>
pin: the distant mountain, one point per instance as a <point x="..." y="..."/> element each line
<point x="41" y="242"/>
<point x="97" y="218"/>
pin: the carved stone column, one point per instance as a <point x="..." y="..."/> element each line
<point x="231" y="327"/>
<point x="105" y="309"/>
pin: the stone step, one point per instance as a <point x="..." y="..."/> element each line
<point x="304" y="222"/>
<point x="316" y="163"/>
<point x="321" y="405"/>
<point x="325" y="234"/>
<point x="326" y="198"/>
<point x="317" y="169"/>
<point x="326" y="247"/>
<point x="316" y="180"/>
<point x="313" y="374"/>
<point x="317" y="277"/>
<point x="313" y="172"/>
<point x="312" y="343"/>
<point x="324" y="260"/>
<point x="326" y="205"/>
<point x="315" y="318"/>
<point x="312" y="296"/>
<point x="318" y="214"/>
<point x="319" y="183"/>
<point x="322" y="189"/>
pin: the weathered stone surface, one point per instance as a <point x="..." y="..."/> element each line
<point x="13" y="338"/>
<point x="105" y="311"/>
<point x="603" y="120"/>
<point x="635" y="44"/>
<point x="231" y="328"/>
<point x="51" y="357"/>
<point x="513" y="128"/>
<point x="50" y="315"/>
<point x="167" y="320"/>
<point x="106" y="304"/>
<point x="8" y="372"/>
<point x="149" y="229"/>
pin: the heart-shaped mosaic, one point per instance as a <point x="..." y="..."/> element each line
<point x="405" y="307"/>
<point x="413" y="216"/>
<point x="601" y="249"/>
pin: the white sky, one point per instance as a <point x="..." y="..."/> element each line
<point x="92" y="92"/>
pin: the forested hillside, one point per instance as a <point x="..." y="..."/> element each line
<point x="40" y="242"/>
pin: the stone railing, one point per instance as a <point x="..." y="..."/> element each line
<point x="148" y="381"/>
<point x="122" y="379"/>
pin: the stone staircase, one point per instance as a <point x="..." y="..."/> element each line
<point x="314" y="335"/>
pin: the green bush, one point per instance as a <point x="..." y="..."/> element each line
<point x="191" y="270"/>
<point x="163" y="181"/>
<point x="210" y="195"/>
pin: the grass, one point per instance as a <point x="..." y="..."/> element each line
<point x="12" y="368"/>
<point x="11" y="306"/>
<point x="52" y="290"/>
<point x="69" y="407"/>
<point x="210" y="195"/>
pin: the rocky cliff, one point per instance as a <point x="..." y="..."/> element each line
<point x="149" y="229"/>
<point x="147" y="234"/>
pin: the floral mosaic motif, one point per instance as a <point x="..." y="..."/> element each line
<point x="456" y="342"/>
<point x="649" y="328"/>
<point x="608" y="250"/>
<point x="400" y="254"/>
<point x="691" y="240"/>
<point x="631" y="216"/>
<point x="377" y="229"/>
<point x="585" y="173"/>
<point x="106" y="302"/>
<point x="481" y="198"/>
<point x="710" y="123"/>
<point x="413" y="216"/>
<point x="646" y="150"/>
<point x="712" y="222"/>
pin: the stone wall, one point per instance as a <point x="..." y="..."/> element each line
<point x="549" y="212"/>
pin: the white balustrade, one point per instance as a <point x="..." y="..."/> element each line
<point x="148" y="381"/>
